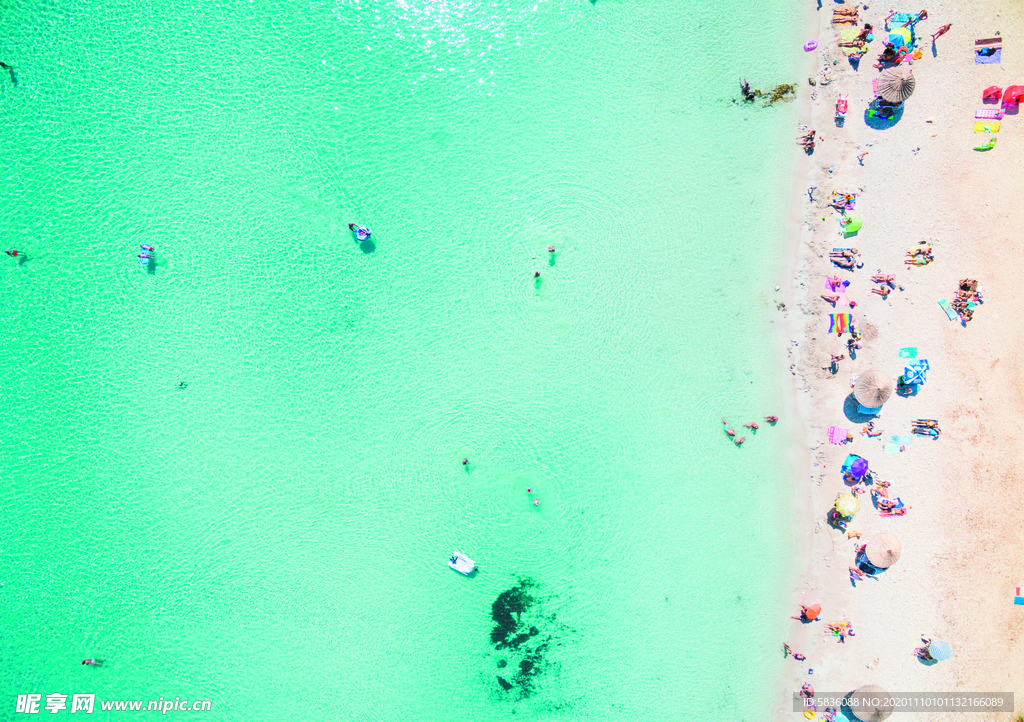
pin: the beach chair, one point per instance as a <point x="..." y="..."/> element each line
<point x="992" y="94"/>
<point x="841" y="107"/>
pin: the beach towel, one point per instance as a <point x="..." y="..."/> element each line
<point x="837" y="436"/>
<point x="892" y="448"/>
<point x="840" y="322"/>
<point x="898" y="19"/>
<point x="987" y="126"/>
<point x="909" y="352"/>
<point x="1018" y="599"/>
<point x="902" y="440"/>
<point x="848" y="35"/>
<point x="989" y="113"/>
<point x="953" y="316"/>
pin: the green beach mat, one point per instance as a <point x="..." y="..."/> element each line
<point x="948" y="309"/>
<point x="908" y="352"/>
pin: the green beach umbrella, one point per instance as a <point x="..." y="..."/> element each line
<point x="897" y="84"/>
<point x="847" y="504"/>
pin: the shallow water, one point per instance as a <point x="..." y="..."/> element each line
<point x="272" y="536"/>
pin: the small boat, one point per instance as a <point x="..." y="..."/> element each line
<point x="461" y="563"/>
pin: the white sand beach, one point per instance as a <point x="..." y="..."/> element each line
<point x="962" y="545"/>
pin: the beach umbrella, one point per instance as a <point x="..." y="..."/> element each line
<point x="859" y="467"/>
<point x="873" y="388"/>
<point x="940" y="650"/>
<point x="870" y="703"/>
<point x="895" y="85"/>
<point x="812" y="612"/>
<point x="883" y="550"/>
<point x="847" y="504"/>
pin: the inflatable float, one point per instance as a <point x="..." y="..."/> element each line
<point x="810" y="45"/>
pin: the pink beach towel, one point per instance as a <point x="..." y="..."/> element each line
<point x="989" y="114"/>
<point x="837" y="436"/>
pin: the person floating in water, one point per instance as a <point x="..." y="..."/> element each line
<point x="147" y="256"/>
<point x="536" y="274"/>
<point x="551" y="249"/>
<point x="748" y="94"/>
<point x="151" y="249"/>
<point x="362" y="232"/>
<point x="771" y="419"/>
<point x="93" y="662"/>
<point x="465" y="462"/>
<point x="13" y="253"/>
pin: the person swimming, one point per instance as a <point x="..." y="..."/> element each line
<point x="94" y="662"/>
<point x="362" y="232"/>
<point x="151" y="249"/>
<point x="13" y="253"/>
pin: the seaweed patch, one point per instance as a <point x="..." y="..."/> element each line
<point x="517" y="635"/>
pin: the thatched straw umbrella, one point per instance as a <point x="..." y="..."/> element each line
<point x="871" y="703"/>
<point x="883" y="550"/>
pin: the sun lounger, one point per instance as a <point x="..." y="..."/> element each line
<point x="948" y="309"/>
<point x="986" y="126"/>
<point x="989" y="113"/>
<point x="988" y="51"/>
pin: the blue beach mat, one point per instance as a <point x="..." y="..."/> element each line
<point x="892" y="448"/>
<point x="992" y="59"/>
<point x="902" y="440"/>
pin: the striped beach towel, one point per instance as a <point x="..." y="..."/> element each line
<point x="840" y="322"/>
<point x="989" y="113"/>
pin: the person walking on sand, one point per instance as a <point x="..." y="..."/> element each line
<point x="942" y="31"/>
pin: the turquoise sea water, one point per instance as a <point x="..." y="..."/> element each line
<point x="273" y="536"/>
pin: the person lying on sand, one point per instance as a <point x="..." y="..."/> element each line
<point x="863" y="35"/>
<point x="925" y="423"/>
<point x="846" y="253"/>
<point x="895" y="512"/>
<point x="852" y="345"/>
<point x="967" y="314"/>
<point x="886" y="504"/>
<point x="845" y="11"/>
<point x="856" y="574"/>
<point x="922" y="251"/>
<point x="807" y="691"/>
<point x="870" y="433"/>
<point x="883" y="292"/>
<point x="919" y="261"/>
<point x="837" y="359"/>
<point x="831" y="298"/>
<point x="879" y="278"/>
<point x="807" y="136"/>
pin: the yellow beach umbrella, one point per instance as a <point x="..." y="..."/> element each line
<point x="847" y="504"/>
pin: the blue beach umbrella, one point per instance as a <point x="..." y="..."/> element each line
<point x="940" y="650"/>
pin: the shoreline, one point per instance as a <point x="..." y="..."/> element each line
<point x="962" y="547"/>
